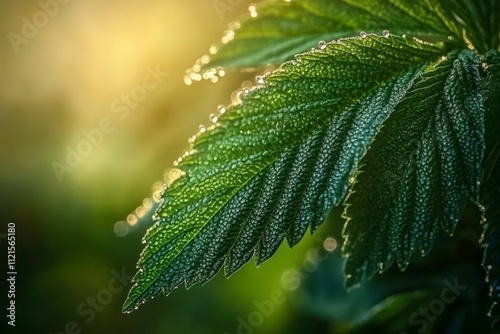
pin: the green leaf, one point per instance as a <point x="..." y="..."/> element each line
<point x="282" y="29"/>
<point x="480" y="21"/>
<point x="419" y="171"/>
<point x="274" y="165"/>
<point x="491" y="190"/>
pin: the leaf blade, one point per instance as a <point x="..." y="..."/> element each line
<point x="245" y="183"/>
<point x="419" y="171"/>
<point x="282" y="29"/>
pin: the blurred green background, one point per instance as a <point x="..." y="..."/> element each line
<point x="78" y="231"/>
<point x="62" y="81"/>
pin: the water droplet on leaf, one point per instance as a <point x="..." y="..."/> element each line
<point x="205" y="59"/>
<point x="253" y="10"/>
<point x="221" y="109"/>
<point x="213" y="118"/>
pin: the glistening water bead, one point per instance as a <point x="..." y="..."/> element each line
<point x="253" y="10"/>
<point x="213" y="118"/>
<point x="259" y="80"/>
<point x="362" y="34"/>
<point x="386" y="33"/>
<point x="221" y="109"/>
<point x="322" y="45"/>
<point x="213" y="49"/>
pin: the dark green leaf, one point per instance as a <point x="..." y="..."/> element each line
<point x="275" y="164"/>
<point x="282" y="29"/>
<point x="481" y="22"/>
<point x="420" y="170"/>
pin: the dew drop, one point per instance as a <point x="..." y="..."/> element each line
<point x="132" y="219"/>
<point x="140" y="211"/>
<point x="175" y="174"/>
<point x="213" y="49"/>
<point x="259" y="80"/>
<point x="362" y="34"/>
<point x="240" y="94"/>
<point x="147" y="203"/>
<point x="386" y="33"/>
<point x="205" y="59"/>
<point x="253" y="10"/>
<point x="322" y="45"/>
<point x="228" y="35"/>
<point x="234" y="25"/>
<point x="192" y="139"/>
<point x="202" y="128"/>
<point x="221" y="109"/>
<point x="213" y="118"/>
<point x="195" y="76"/>
<point x="157" y="196"/>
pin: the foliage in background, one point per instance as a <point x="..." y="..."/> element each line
<point x="396" y="118"/>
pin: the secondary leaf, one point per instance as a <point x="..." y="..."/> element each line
<point x="481" y="22"/>
<point x="491" y="189"/>
<point x="420" y="170"/>
<point x="281" y="29"/>
<point x="275" y="164"/>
